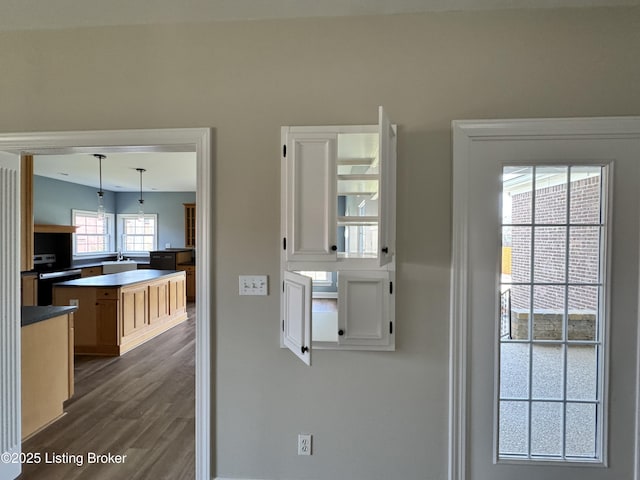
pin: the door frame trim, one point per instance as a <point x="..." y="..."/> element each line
<point x="465" y="133"/>
<point x="200" y="141"/>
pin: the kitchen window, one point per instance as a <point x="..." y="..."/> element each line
<point x="94" y="234"/>
<point x="137" y="234"/>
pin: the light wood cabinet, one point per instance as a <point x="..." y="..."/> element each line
<point x="26" y="213"/>
<point x="46" y="371"/>
<point x="91" y="271"/>
<point x="190" y="271"/>
<point x="177" y="294"/>
<point x="158" y="301"/>
<point x="134" y="309"/>
<point x="112" y="320"/>
<point x="29" y="289"/>
<point x="189" y="225"/>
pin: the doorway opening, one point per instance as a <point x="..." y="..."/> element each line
<point x="198" y="141"/>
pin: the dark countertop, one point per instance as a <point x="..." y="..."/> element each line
<point x="115" y="280"/>
<point x="32" y="315"/>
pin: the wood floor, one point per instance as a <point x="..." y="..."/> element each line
<point x="141" y="405"/>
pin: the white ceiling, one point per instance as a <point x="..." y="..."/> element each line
<point x="39" y="14"/>
<point x="165" y="171"/>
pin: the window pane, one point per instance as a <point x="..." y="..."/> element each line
<point x="582" y="372"/>
<point x="549" y="254"/>
<point x="548" y="312"/>
<point x="581" y="430"/>
<point x="517" y="184"/>
<point x="547" y="371"/>
<point x="514" y="422"/>
<point x="585" y="194"/>
<point x="546" y="428"/>
<point x="551" y="195"/>
<point x="514" y="374"/>
<point x="584" y="244"/>
<point x="520" y="309"/>
<point x="583" y="313"/>
<point x="516" y="253"/>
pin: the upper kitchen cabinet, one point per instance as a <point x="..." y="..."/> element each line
<point x="190" y="225"/>
<point x="338" y="193"/>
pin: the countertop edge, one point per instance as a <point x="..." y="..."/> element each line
<point x="31" y="315"/>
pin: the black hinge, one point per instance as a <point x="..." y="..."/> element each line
<point x="284" y="243"/>
<point x="284" y="151"/>
<point x="283" y="325"/>
<point x="390" y="328"/>
<point x="391" y="288"/>
<point x="283" y="286"/>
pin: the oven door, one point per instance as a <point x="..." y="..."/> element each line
<point x="46" y="281"/>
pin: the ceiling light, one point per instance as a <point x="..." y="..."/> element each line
<point x="101" y="211"/>
<point x="141" y="201"/>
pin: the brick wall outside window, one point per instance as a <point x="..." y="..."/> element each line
<point x="550" y="245"/>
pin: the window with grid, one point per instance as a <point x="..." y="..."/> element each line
<point x="138" y="234"/>
<point x="551" y="348"/>
<point x="94" y="234"/>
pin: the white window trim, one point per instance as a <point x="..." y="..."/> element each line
<point x="120" y="217"/>
<point x="110" y="217"/>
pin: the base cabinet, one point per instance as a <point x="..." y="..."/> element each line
<point x="46" y="371"/>
<point x="114" y="320"/>
<point x="190" y="270"/>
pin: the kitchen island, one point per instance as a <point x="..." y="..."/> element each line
<point x="46" y="365"/>
<point x="120" y="311"/>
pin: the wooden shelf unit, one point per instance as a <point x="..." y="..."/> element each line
<point x="189" y="225"/>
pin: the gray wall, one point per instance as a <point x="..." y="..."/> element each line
<point x="54" y="199"/>
<point x="379" y="415"/>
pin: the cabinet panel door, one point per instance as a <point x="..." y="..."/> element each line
<point x="363" y="308"/>
<point x="158" y="301"/>
<point x="296" y="315"/>
<point x="311" y="196"/>
<point x="177" y="295"/>
<point x="134" y="310"/>
<point x="387" y="154"/>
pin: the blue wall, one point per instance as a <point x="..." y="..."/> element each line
<point x="169" y="207"/>
<point x="53" y="201"/>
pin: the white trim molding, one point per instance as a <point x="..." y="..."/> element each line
<point x="465" y="134"/>
<point x="198" y="140"/>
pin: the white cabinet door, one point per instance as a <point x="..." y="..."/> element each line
<point x="387" y="152"/>
<point x="10" y="427"/>
<point x="296" y="315"/>
<point x="364" y="300"/>
<point x="310" y="195"/>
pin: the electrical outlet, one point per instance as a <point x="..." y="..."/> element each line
<point x="74" y="302"/>
<point x="253" y="284"/>
<point x="304" y="443"/>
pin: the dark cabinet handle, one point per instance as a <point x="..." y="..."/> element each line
<point x="385" y="250"/>
<point x="304" y="350"/>
<point x="334" y="248"/>
<point x="340" y="332"/>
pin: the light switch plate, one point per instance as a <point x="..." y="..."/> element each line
<point x="253" y="285"/>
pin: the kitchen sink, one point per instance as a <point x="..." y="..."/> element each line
<point x="116" y="266"/>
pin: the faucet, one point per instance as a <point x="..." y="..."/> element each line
<point x="120" y="257"/>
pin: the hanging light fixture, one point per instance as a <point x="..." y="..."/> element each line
<point x="141" y="201"/>
<point x="101" y="210"/>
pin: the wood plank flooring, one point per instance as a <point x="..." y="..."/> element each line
<point x="141" y="405"/>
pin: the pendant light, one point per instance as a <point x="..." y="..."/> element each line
<point x="141" y="201"/>
<point x="100" y="211"/>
